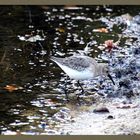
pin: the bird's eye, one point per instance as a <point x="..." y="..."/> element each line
<point x="107" y="70"/>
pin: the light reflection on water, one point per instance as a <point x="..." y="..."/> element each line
<point x="40" y="107"/>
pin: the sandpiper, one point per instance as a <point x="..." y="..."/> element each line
<point x="82" y="67"/>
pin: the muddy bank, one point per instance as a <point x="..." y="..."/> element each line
<point x="122" y="119"/>
<point x="32" y="88"/>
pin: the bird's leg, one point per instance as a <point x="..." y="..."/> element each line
<point x="80" y="86"/>
<point x="81" y="89"/>
<point x="65" y="90"/>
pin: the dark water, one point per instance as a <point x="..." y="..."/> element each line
<point x="29" y="35"/>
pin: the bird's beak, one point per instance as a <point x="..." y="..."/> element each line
<point x="110" y="77"/>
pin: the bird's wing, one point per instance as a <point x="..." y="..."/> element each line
<point x="79" y="63"/>
<point x="76" y="63"/>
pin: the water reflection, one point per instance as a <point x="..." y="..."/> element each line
<point x="29" y="35"/>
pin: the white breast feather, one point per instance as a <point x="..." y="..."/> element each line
<point x="77" y="75"/>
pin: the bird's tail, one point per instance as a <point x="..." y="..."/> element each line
<point x="53" y="58"/>
<point x="57" y="59"/>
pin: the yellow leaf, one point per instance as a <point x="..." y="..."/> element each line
<point x="102" y="30"/>
<point x="12" y="88"/>
<point x="61" y="30"/>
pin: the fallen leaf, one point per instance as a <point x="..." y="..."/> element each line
<point x="61" y="30"/>
<point x="109" y="44"/>
<point x="102" y="30"/>
<point x="12" y="88"/>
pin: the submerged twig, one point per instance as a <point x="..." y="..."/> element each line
<point x="3" y="57"/>
<point x="4" y="63"/>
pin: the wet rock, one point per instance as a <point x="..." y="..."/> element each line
<point x="120" y="61"/>
<point x="110" y="117"/>
<point x="138" y="64"/>
<point x="118" y="73"/>
<point x="72" y="120"/>
<point x="125" y="69"/>
<point x="138" y="75"/>
<point x="101" y="110"/>
<point x="132" y="65"/>
<point x="125" y="83"/>
<point x="101" y="93"/>
<point x="43" y="126"/>
<point x="134" y="78"/>
<point x="136" y="51"/>
<point x="136" y="19"/>
<point x="128" y="93"/>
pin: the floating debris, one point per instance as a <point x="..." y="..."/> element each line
<point x="31" y="38"/>
<point x="12" y="88"/>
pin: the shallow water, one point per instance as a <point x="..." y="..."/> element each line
<point x="34" y="101"/>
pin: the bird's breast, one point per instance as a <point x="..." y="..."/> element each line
<point x="77" y="75"/>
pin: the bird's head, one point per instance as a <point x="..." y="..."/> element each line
<point x="105" y="71"/>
